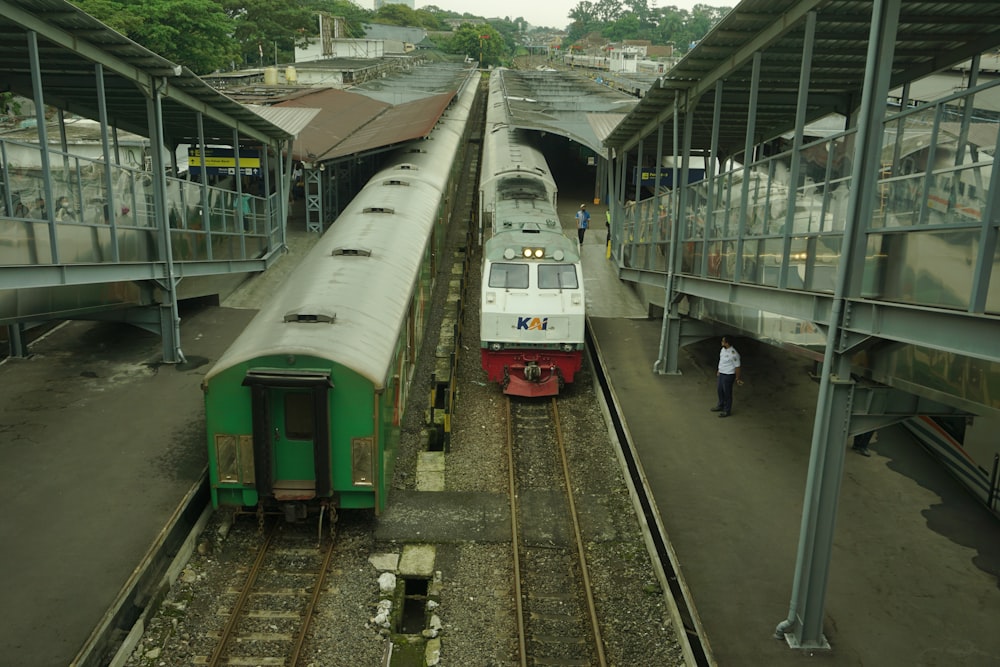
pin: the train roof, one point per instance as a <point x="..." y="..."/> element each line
<point x="347" y="301"/>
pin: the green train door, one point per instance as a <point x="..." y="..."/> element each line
<point x="291" y="434"/>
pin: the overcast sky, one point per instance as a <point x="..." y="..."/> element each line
<point x="550" y="13"/>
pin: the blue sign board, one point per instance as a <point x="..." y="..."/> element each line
<point x="647" y="177"/>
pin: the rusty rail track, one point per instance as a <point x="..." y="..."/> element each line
<point x="556" y="616"/>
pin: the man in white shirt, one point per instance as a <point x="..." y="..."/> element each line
<point x="728" y="374"/>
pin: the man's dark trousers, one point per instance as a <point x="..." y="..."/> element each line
<point x="725" y="389"/>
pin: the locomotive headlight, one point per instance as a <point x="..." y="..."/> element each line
<point x="496" y="347"/>
<point x="539" y="253"/>
<point x="508" y="253"/>
<point x="527" y="253"/>
<point x="567" y="347"/>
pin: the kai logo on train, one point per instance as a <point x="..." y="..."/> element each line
<point x="532" y="323"/>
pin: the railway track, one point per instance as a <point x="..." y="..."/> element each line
<point x="556" y="616"/>
<point x="270" y="613"/>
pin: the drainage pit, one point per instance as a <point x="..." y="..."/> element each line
<point x="412" y="618"/>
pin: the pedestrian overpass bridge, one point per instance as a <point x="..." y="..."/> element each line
<point x="871" y="247"/>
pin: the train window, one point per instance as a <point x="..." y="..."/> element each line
<point x="557" y="276"/>
<point x="299" y="420"/>
<point x="509" y="276"/>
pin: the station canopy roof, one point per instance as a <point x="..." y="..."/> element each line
<point x="564" y="103"/>
<point x="368" y="118"/>
<point x="351" y="124"/>
<point x="71" y="44"/>
<point x="931" y="36"/>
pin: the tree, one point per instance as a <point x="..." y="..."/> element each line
<point x="510" y="31"/>
<point x="480" y="42"/>
<point x="354" y="17"/>
<point x="396" y="14"/>
<point x="193" y="33"/>
<point x="618" y="20"/>
<point x="263" y="25"/>
<point x="607" y="11"/>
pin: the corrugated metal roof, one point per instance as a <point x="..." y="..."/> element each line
<point x="349" y="123"/>
<point x="932" y="36"/>
<point x="71" y="42"/>
<point x="560" y="103"/>
<point x="362" y="119"/>
<point x="340" y="114"/>
<point x="604" y="124"/>
<point x="413" y="120"/>
<point x="415" y="83"/>
<point x="291" y="120"/>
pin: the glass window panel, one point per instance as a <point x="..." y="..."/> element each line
<point x="299" y="420"/>
<point x="557" y="276"/>
<point x="509" y="276"/>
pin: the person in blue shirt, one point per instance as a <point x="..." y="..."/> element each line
<point x="582" y="222"/>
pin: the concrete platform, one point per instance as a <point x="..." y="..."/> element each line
<point x="914" y="576"/>
<point x="100" y="444"/>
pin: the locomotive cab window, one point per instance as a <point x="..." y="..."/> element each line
<point x="509" y="276"/>
<point x="299" y="419"/>
<point x="558" y="276"/>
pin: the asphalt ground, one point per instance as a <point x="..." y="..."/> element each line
<point x="100" y="444"/>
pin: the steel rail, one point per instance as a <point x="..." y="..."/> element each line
<point x="581" y="553"/>
<point x="293" y="658"/>
<point x="234" y="617"/>
<point x="514" y="531"/>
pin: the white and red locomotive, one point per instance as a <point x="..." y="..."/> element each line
<point x="532" y="303"/>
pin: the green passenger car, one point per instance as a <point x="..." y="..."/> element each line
<point x="303" y="411"/>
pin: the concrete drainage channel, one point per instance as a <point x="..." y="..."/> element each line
<point x="410" y="592"/>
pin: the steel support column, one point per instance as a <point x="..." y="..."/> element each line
<point x="241" y="223"/>
<point x="609" y="194"/>
<point x="987" y="243"/>
<point x="43" y="142"/>
<point x="206" y="200"/>
<point x="15" y="341"/>
<point x="110" y="203"/>
<point x="670" y="335"/>
<point x="795" y="168"/>
<point x="803" y="627"/>
<point x="748" y="159"/>
<point x="170" y="321"/>
<point x="313" y="192"/>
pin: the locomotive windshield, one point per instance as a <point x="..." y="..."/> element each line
<point x="561" y="276"/>
<point x="509" y="276"/>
